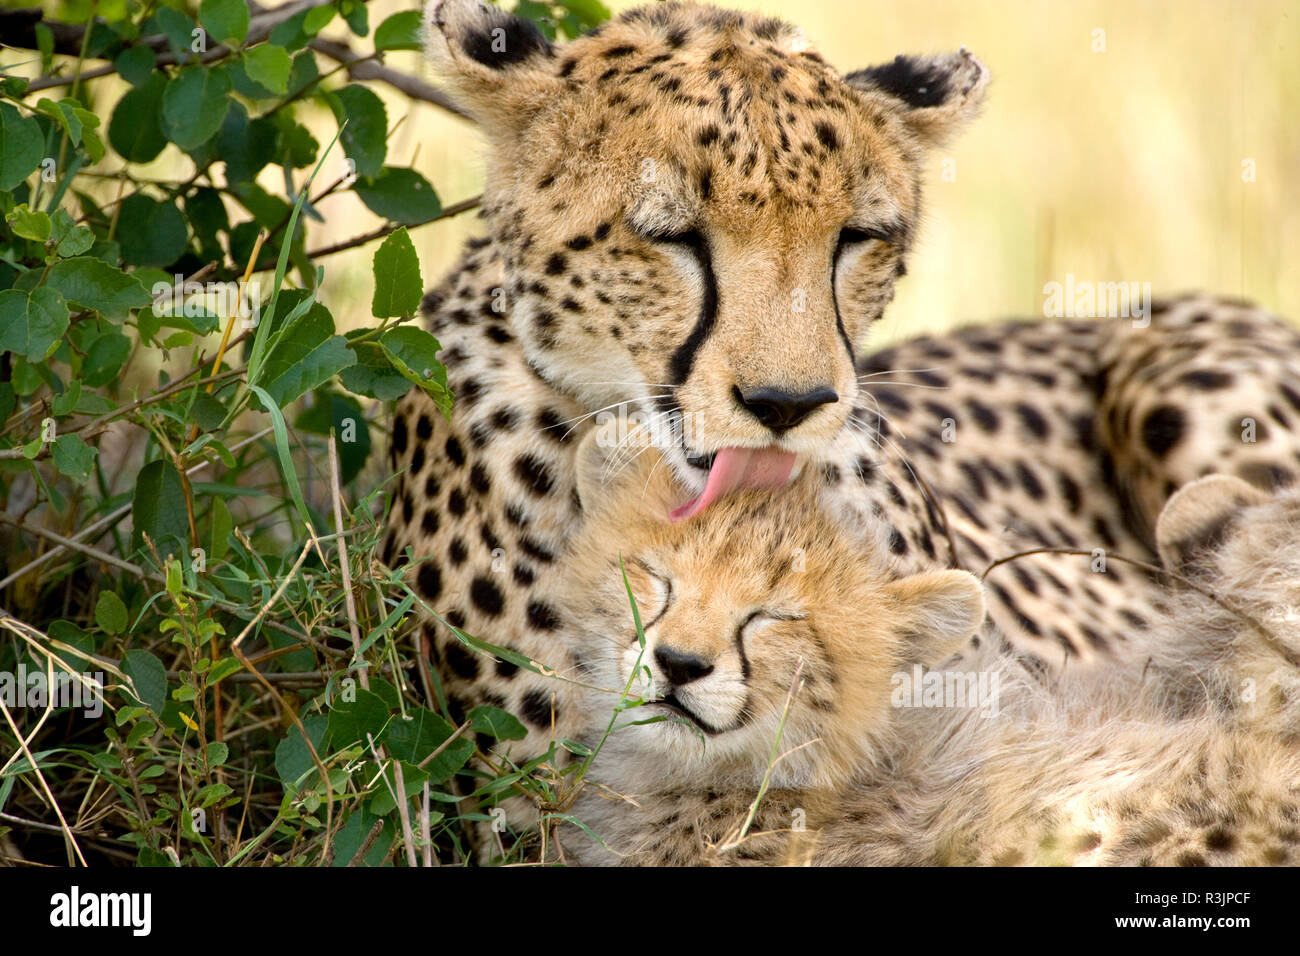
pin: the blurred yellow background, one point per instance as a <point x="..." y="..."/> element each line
<point x="1114" y="156"/>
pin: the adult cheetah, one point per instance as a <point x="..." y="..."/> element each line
<point x="694" y="220"/>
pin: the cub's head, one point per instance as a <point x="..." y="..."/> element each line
<point x="698" y="217"/>
<point x="734" y="603"/>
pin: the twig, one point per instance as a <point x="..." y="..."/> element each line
<point x="345" y="567"/>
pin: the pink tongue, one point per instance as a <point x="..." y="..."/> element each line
<point x="736" y="468"/>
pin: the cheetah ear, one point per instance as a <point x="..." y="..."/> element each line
<point x="935" y="95"/>
<point x="1199" y="518"/>
<point x="497" y="66"/>
<point x="937" y="612"/>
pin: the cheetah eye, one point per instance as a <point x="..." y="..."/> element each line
<point x="659" y="596"/>
<point x="679" y="237"/>
<point x="757" y="620"/>
<point x="851" y="235"/>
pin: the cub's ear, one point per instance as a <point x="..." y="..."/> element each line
<point x="933" y="95"/>
<point x="497" y="66"/>
<point x="1199" y="518"/>
<point x="937" y="612"/>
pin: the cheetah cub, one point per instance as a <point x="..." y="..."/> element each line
<point x="805" y="704"/>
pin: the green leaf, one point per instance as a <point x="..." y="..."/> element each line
<point x="225" y="20"/>
<point x="194" y="105"/>
<point x="357" y="18"/>
<point x="152" y="233"/>
<point x="297" y="147"/>
<point x="90" y="283"/>
<point x="497" y="723"/>
<point x="67" y="402"/>
<point x="135" y="130"/>
<point x="110" y="613"/>
<point x="402" y="195"/>
<point x="178" y="28"/>
<point x="70" y="239"/>
<point x="218" y="752"/>
<point x="292" y="758"/>
<point x="413" y="739"/>
<point x="30" y="325"/>
<point x="73" y="457"/>
<point x="318" y="18"/>
<point x="413" y="353"/>
<point x="282" y="451"/>
<point x="398" y="287"/>
<point x="366" y="134"/>
<point x="352" y="434"/>
<point x="104" y="358"/>
<point x="159" y="508"/>
<point x="135" y="64"/>
<point x="222" y="669"/>
<point x="401" y="31"/>
<point x="351" y="721"/>
<point x="207" y="214"/>
<point x="34" y="225"/>
<point x="413" y="781"/>
<point x="149" y="677"/>
<point x="222" y="525"/>
<point x="246" y="146"/>
<point x="21" y="146"/>
<point x="308" y="355"/>
<point x="268" y="65"/>
<point x="374" y="375"/>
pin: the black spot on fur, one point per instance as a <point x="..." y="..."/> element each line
<point x="985" y="417"/>
<point x="1206" y="380"/>
<point x="535" y="707"/>
<point x="913" y="80"/>
<point x="542" y="616"/>
<point x="1162" y="429"/>
<point x="487" y="597"/>
<point x="826" y="135"/>
<point x="534" y="474"/>
<point x="463" y="662"/>
<point x="429" y="580"/>
<point x="455" y="453"/>
<point x="1033" y="420"/>
<point x="505" y="41"/>
<point x="399" y="435"/>
<point x="456" y="501"/>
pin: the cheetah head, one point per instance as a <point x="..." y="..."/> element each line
<point x="699" y="218"/>
<point x="798" y="634"/>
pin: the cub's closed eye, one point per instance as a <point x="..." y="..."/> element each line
<point x="682" y="237"/>
<point x="851" y="235"/>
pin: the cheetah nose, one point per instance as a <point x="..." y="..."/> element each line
<point x="780" y="410"/>
<point x="680" y="667"/>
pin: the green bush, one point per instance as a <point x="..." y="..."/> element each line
<point x="231" y="680"/>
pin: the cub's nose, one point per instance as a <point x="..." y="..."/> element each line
<point x="780" y="410"/>
<point x="680" y="667"/>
